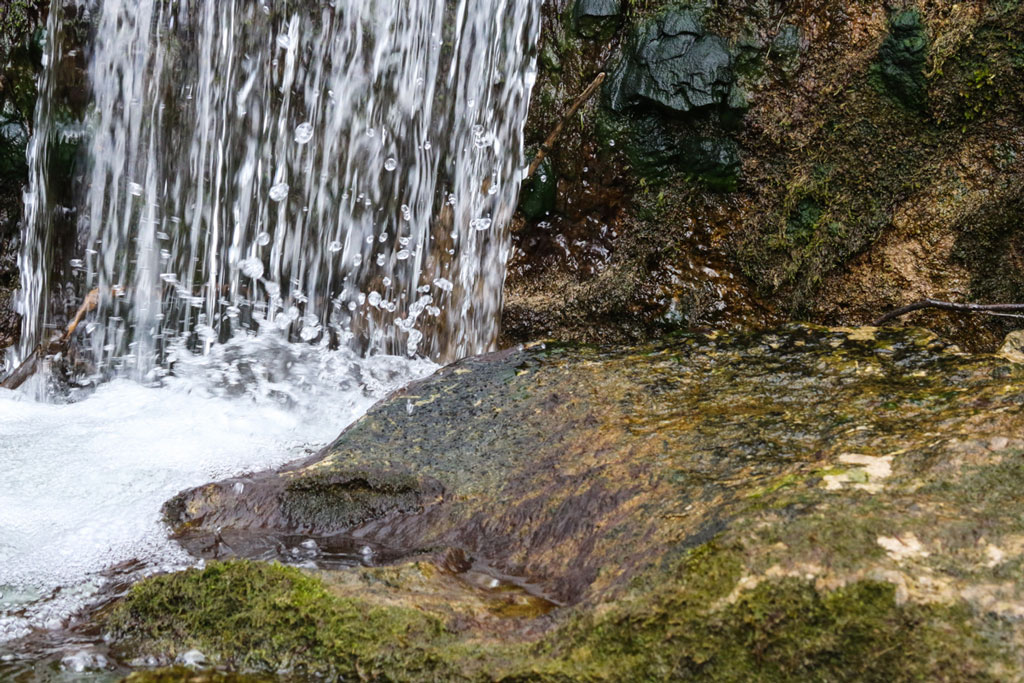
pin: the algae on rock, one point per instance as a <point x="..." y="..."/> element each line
<point x="800" y="500"/>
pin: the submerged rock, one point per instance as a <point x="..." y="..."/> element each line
<point x="829" y="504"/>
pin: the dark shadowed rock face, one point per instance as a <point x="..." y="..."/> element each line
<point x="673" y="63"/>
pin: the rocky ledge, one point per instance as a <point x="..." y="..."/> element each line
<point x="806" y="504"/>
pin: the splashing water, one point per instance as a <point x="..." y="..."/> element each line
<point x="284" y="205"/>
<point x="84" y="482"/>
<point x="312" y="167"/>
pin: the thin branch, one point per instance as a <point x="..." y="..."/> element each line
<point x="1005" y="310"/>
<point x="546" y="148"/>
<point x="55" y="345"/>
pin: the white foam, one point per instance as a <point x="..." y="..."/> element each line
<point x="81" y="485"/>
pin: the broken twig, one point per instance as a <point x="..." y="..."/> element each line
<point x="56" y="345"/>
<point x="1002" y="310"/>
<point x="545" y="148"/>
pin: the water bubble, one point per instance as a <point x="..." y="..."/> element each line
<point x="374" y="298"/>
<point x="444" y="284"/>
<point x="406" y="212"/>
<point x="252" y="267"/>
<point x="334" y="247"/>
<point x="357" y="260"/>
<point x="402" y="255"/>
<point x="386" y="282"/>
<point x="390" y="164"/>
<point x="383" y="237"/>
<point x="279" y="192"/>
<point x="480" y="223"/>
<point x="381" y="259"/>
<point x="263" y="239"/>
<point x="304" y="133"/>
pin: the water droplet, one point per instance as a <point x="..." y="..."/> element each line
<point x="390" y="164"/>
<point x="334" y="247"/>
<point x="283" y="41"/>
<point x="386" y="282"/>
<point x="444" y="284"/>
<point x="374" y="298"/>
<point x="402" y="254"/>
<point x="252" y="267"/>
<point x="304" y="133"/>
<point x="135" y="189"/>
<point x="480" y="223"/>
<point x="279" y="192"/>
<point x="380" y="259"/>
<point x="77" y="263"/>
<point x="263" y="239"/>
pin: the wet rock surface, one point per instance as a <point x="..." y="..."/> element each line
<point x="672" y="62"/>
<point x="858" y="485"/>
<point x="836" y="161"/>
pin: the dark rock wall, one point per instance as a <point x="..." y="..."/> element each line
<point x="749" y="162"/>
<point x="20" y="57"/>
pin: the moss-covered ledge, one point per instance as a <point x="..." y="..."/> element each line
<point x="805" y="504"/>
<point x="701" y="621"/>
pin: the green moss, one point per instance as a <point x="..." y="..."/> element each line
<point x="539" y="193"/>
<point x="345" y="496"/>
<point x="782" y="630"/>
<point x="691" y="624"/>
<point x="900" y="68"/>
<point x="181" y="674"/>
<point x="264" y="617"/>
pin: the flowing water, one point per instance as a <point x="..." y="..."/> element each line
<point x="288" y="209"/>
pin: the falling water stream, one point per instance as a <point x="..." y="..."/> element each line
<point x="288" y="209"/>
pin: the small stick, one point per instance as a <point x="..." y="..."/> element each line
<point x="55" y="345"/>
<point x="545" y="149"/>
<point x="992" y="309"/>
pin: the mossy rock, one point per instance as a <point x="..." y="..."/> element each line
<point x="596" y="19"/>
<point x="902" y="58"/>
<point x="824" y="504"/>
<point x="540" y="193"/>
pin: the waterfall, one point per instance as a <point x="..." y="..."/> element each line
<point x="341" y="171"/>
